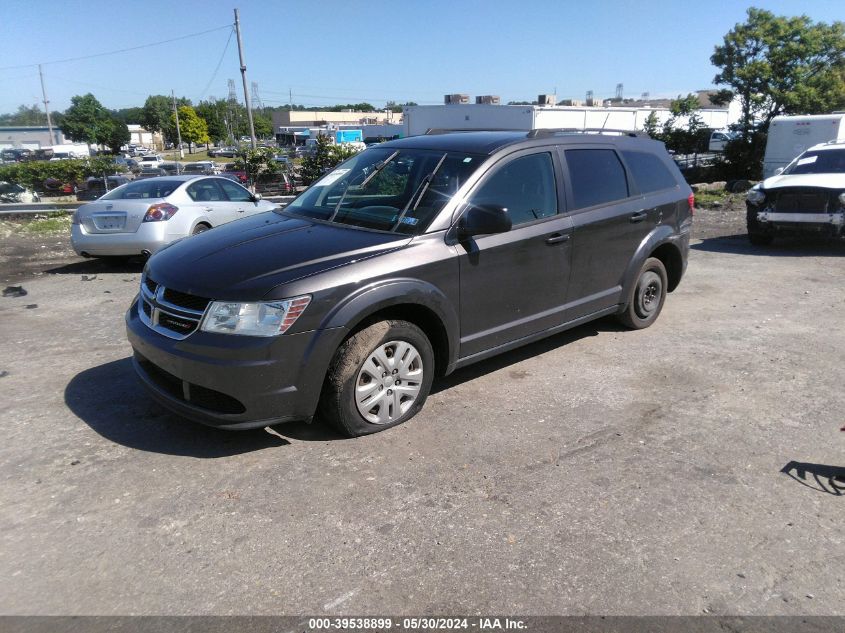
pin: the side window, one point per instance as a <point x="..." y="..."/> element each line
<point x="597" y="176"/>
<point x="235" y="192"/>
<point x="525" y="187"/>
<point x="649" y="172"/>
<point x="204" y="191"/>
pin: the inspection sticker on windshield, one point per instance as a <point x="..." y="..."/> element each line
<point x="808" y="160"/>
<point x="411" y="221"/>
<point x="333" y="177"/>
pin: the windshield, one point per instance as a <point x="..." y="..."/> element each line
<point x="143" y="189"/>
<point x="827" y="161"/>
<point x="386" y="189"/>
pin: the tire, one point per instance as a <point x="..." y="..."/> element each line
<point x="200" y="228"/>
<point x="647" y="296"/>
<point x="363" y="374"/>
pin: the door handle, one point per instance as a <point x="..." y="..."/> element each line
<point x="639" y="216"/>
<point x="209" y="209"/>
<point x="240" y="210"/>
<point x="557" y="238"/>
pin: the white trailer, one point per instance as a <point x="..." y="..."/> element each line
<point x="791" y="135"/>
<point x="419" y="119"/>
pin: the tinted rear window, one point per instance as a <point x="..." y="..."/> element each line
<point x="153" y="188"/>
<point x="649" y="172"/>
<point x="597" y="176"/>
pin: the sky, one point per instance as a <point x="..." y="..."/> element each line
<point x="327" y="52"/>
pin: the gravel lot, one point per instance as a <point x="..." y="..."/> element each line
<point x="683" y="469"/>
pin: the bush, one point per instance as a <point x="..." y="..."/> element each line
<point x="32" y="174"/>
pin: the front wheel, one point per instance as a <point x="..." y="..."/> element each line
<point x="380" y="377"/>
<point x="647" y="296"/>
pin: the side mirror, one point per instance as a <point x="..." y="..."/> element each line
<point x="256" y="197"/>
<point x="778" y="171"/>
<point x="485" y="219"/>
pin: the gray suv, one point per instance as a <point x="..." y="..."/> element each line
<point x="408" y="261"/>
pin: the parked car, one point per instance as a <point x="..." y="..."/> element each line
<point x="224" y="152"/>
<point x="203" y="167"/>
<point x="278" y="184"/>
<point x="96" y="187"/>
<point x="13" y="192"/>
<point x="16" y="155"/>
<point x="150" y="160"/>
<point x="409" y="260"/>
<point x="142" y="216"/>
<point x="230" y="169"/>
<point x="719" y="140"/>
<point x="150" y="171"/>
<point x="808" y="197"/>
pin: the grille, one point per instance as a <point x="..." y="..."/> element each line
<point x="184" y="300"/>
<point x="201" y="397"/>
<point x="170" y="312"/>
<point x="798" y="201"/>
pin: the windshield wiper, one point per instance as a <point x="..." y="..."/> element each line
<point x="376" y="170"/>
<point x="419" y="193"/>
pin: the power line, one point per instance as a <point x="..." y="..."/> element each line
<point x="122" y="50"/>
<point x="219" y="63"/>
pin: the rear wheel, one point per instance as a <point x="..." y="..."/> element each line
<point x="647" y="296"/>
<point x="380" y="377"/>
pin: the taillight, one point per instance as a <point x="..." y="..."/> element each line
<point x="691" y="203"/>
<point x="160" y="212"/>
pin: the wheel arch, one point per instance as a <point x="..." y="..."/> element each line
<point x="662" y="243"/>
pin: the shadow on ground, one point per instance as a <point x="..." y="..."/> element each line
<point x="111" y="400"/>
<point x="782" y="246"/>
<point x="829" y="479"/>
<point x="100" y="265"/>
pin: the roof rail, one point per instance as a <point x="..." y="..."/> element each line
<point x="542" y="132"/>
<point x="446" y="130"/>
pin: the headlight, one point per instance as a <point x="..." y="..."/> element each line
<point x="755" y="196"/>
<point x="254" y="319"/>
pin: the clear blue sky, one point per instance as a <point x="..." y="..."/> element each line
<point x="339" y="51"/>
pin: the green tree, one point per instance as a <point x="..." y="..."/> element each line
<point x="214" y="113"/>
<point x="316" y="164"/>
<point x="129" y="115"/>
<point x="684" y="138"/>
<point x="25" y="115"/>
<point x="781" y="65"/>
<point x="118" y="135"/>
<point x="157" y="114"/>
<point x="87" y="121"/>
<point x="192" y="127"/>
<point x="257" y="163"/>
<point x="397" y="107"/>
<point x="263" y="125"/>
<point x="651" y="126"/>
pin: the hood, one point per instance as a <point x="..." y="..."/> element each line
<point x="825" y="181"/>
<point x="246" y="259"/>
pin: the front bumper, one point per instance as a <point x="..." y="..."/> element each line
<point x="769" y="221"/>
<point x="150" y="236"/>
<point x="233" y="382"/>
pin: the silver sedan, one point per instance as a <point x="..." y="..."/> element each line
<point x="140" y="217"/>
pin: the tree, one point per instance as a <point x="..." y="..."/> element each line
<point x="87" y="121"/>
<point x="25" y="115"/>
<point x="397" y="107"/>
<point x="682" y="131"/>
<point x="157" y="114"/>
<point x="263" y="125"/>
<point x="192" y="128"/>
<point x="780" y="65"/>
<point x="257" y="163"/>
<point x="214" y="113"/>
<point x="118" y="135"/>
<point x="129" y="115"/>
<point x="651" y="125"/>
<point x="316" y="164"/>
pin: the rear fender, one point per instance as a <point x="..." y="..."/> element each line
<point x="658" y="237"/>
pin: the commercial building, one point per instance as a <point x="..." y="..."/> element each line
<point x="30" y="137"/>
<point x="460" y="113"/>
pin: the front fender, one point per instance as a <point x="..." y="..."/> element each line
<point x="385" y="294"/>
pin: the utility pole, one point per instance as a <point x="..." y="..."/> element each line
<point x="243" y="76"/>
<point x="178" y="131"/>
<point x="47" y="107"/>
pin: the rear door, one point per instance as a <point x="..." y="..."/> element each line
<point x="610" y="221"/>
<point x="513" y="284"/>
